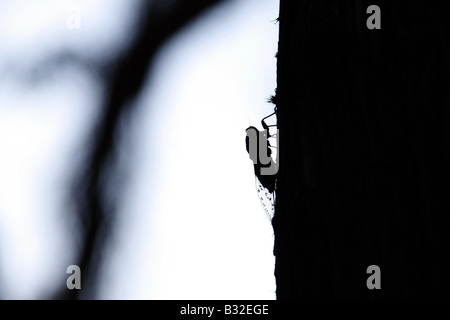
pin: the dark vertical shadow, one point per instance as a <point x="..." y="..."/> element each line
<point x="364" y="117"/>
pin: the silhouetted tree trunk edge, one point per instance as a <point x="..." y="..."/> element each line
<point x="364" y="120"/>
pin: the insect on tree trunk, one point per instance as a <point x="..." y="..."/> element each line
<point x="364" y="117"/>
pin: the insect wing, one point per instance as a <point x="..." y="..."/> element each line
<point x="267" y="199"/>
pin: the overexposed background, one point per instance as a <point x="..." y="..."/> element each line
<point x="190" y="224"/>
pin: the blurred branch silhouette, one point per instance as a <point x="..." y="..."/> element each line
<point x="158" y="21"/>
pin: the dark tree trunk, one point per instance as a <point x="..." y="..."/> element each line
<point x="364" y="179"/>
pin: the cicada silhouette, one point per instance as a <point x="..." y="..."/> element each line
<point x="262" y="147"/>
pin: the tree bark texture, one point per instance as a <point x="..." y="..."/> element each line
<point x="364" y="120"/>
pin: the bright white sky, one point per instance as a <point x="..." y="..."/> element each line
<point x="191" y="225"/>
